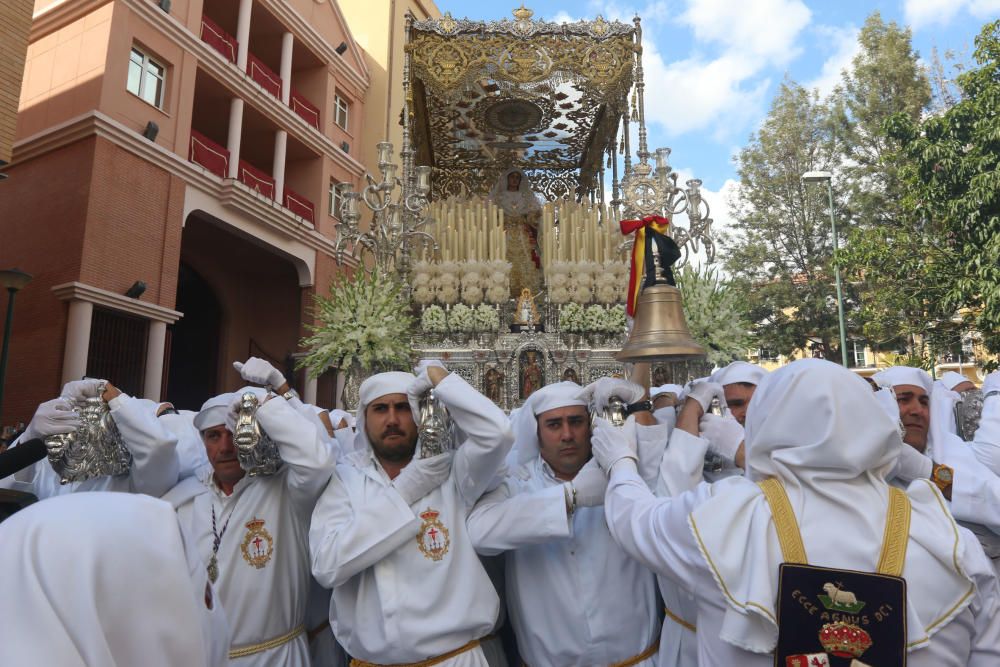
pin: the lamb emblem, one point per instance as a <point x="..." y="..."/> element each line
<point x="835" y="598"/>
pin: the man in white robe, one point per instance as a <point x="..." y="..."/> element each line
<point x="986" y="441"/>
<point x="253" y="531"/>
<point x="575" y="598"/>
<point x="105" y="579"/>
<point x="155" y="465"/>
<point x="388" y="534"/>
<point x="816" y="429"/>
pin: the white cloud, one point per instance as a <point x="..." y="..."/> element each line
<point x="923" y="13"/>
<point x="844" y="43"/>
<point x="762" y="31"/>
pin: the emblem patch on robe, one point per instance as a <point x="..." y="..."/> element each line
<point x="258" y="545"/>
<point x="839" y="618"/>
<point x="433" y="539"/>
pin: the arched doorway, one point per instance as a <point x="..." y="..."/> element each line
<point x="194" y="342"/>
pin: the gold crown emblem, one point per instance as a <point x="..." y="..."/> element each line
<point x="429" y="515"/>
<point x="256" y="524"/>
<point x="522" y="13"/>
<point x="844" y="640"/>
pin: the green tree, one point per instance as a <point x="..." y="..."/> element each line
<point x="952" y="191"/>
<point x="780" y="251"/>
<point x="714" y="314"/>
<point x="886" y="78"/>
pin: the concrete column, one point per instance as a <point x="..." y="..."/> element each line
<point x="280" y="149"/>
<point x="341" y="381"/>
<point x="235" y="134"/>
<point x="155" y="343"/>
<point x="309" y="390"/>
<point x="81" y="313"/>
<point x="285" y="69"/>
<point x="243" y="33"/>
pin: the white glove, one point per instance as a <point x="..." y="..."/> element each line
<point x="991" y="383"/>
<point x="724" y="435"/>
<point x="610" y="445"/>
<point x="598" y="393"/>
<point x="81" y="390"/>
<point x="257" y="371"/>
<point x="704" y="391"/>
<point x="421" y="476"/>
<point x="590" y="485"/>
<point x="421" y="368"/>
<point x="911" y="465"/>
<point x="52" y="418"/>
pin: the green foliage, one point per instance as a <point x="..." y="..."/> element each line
<point x="364" y="321"/>
<point x="780" y="253"/>
<point x="951" y="177"/>
<point x="714" y="314"/>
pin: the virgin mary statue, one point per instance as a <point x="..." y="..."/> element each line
<point x="522" y="212"/>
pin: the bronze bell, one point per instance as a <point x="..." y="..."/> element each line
<point x="660" y="331"/>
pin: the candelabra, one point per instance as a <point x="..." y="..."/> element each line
<point x="397" y="211"/>
<point x="648" y="192"/>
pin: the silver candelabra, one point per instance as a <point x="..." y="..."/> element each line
<point x="398" y="209"/>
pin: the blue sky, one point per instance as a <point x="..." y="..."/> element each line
<point x="713" y="66"/>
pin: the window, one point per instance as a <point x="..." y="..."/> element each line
<point x="765" y="354"/>
<point x="340" y="110"/>
<point x="118" y="349"/>
<point x="146" y="78"/>
<point x="857" y="353"/>
<point x="336" y="199"/>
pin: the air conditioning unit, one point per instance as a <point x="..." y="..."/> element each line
<point x="344" y="146"/>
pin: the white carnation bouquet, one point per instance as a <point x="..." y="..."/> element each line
<point x="461" y="319"/>
<point x="571" y="319"/>
<point x="363" y="321"/>
<point x="487" y="319"/>
<point x="434" y="320"/>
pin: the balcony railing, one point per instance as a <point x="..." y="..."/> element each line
<point x="299" y="205"/>
<point x="220" y="40"/>
<point x="263" y="75"/>
<point x="304" y="108"/>
<point x="255" y="179"/>
<point x="209" y="154"/>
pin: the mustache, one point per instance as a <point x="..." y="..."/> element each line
<point x="392" y="430"/>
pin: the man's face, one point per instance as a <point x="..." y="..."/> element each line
<point x="564" y="439"/>
<point x="390" y="428"/>
<point x="963" y="386"/>
<point x="915" y="413"/>
<point x="738" y="396"/>
<point x="221" y="454"/>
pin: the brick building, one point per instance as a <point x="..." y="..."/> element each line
<point x="189" y="145"/>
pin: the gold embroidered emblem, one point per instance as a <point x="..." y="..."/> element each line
<point x="258" y="545"/>
<point x="433" y="539"/>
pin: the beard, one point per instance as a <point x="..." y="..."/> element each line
<point x="396" y="453"/>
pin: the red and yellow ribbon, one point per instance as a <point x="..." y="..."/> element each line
<point x="638" y="269"/>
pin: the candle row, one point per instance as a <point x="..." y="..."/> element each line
<point x="467" y="229"/>
<point x="579" y="235"/>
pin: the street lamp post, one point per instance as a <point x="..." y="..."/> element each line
<point x="817" y="177"/>
<point x="13" y="280"/>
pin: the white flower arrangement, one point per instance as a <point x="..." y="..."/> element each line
<point x="472" y="295"/>
<point x="606" y="294"/>
<point x="617" y="323"/>
<point x="580" y="293"/>
<point x="364" y="321"/>
<point x="559" y="295"/>
<point x="423" y="294"/>
<point x="434" y="320"/>
<point x="594" y="320"/>
<point x="487" y="319"/>
<point x="461" y="319"/>
<point x="447" y="295"/>
<point x="571" y="318"/>
<point x="497" y="293"/>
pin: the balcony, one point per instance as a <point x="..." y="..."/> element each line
<point x="220" y="40"/>
<point x="256" y="179"/>
<point x="263" y="75"/>
<point x="209" y="154"/>
<point x="308" y="111"/>
<point x="299" y="205"/>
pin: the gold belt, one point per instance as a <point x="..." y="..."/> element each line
<point x="679" y="621"/>
<point x="251" y="649"/>
<point x="629" y="662"/>
<point x="426" y="663"/>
